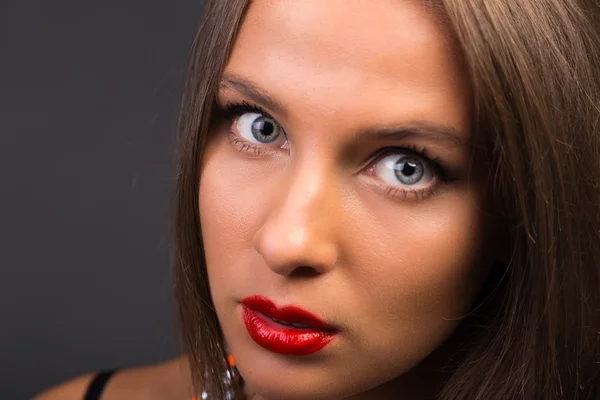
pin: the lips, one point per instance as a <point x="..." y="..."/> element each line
<point x="287" y="330"/>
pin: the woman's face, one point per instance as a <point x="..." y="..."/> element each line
<point x="340" y="179"/>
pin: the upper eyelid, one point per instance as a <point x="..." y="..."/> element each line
<point x="412" y="150"/>
<point x="392" y="150"/>
<point x="252" y="108"/>
<point x="227" y="106"/>
<point x="249" y="108"/>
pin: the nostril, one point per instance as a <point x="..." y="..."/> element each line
<point x="304" y="272"/>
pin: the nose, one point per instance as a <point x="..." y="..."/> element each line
<point x="298" y="235"/>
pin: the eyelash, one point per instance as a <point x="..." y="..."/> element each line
<point x="235" y="110"/>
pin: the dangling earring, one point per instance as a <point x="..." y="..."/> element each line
<point x="230" y="360"/>
<point x="231" y="376"/>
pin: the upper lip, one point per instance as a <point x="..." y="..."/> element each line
<point x="290" y="314"/>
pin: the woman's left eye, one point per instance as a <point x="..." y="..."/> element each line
<point x="257" y="129"/>
<point x="406" y="170"/>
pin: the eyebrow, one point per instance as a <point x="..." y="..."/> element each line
<point x="253" y="92"/>
<point x="407" y="130"/>
<point x="414" y="130"/>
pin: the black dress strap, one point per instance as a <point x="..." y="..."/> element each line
<point x="94" y="390"/>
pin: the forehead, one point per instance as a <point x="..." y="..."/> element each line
<point x="389" y="53"/>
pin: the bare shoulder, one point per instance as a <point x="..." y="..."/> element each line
<point x="71" y="390"/>
<point x="168" y="380"/>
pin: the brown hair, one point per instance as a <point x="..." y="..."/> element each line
<point x="534" y="67"/>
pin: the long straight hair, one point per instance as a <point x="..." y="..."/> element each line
<point x="534" y="66"/>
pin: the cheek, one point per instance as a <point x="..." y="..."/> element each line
<point x="230" y="211"/>
<point x="426" y="268"/>
<point x="433" y="254"/>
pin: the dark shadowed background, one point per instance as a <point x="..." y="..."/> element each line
<point x="89" y="96"/>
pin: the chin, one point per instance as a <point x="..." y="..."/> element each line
<point x="278" y="390"/>
<point x="275" y="381"/>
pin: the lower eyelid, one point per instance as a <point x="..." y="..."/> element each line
<point x="403" y="194"/>
<point x="400" y="192"/>
<point x="242" y="145"/>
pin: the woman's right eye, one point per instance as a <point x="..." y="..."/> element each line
<point x="258" y="129"/>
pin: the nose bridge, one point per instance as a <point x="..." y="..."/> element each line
<point x="299" y="230"/>
<point x="309" y="193"/>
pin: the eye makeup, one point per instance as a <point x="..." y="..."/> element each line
<point x="410" y="159"/>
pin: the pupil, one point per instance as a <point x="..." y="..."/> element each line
<point x="408" y="168"/>
<point x="263" y="127"/>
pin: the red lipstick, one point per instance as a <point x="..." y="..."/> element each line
<point x="287" y="330"/>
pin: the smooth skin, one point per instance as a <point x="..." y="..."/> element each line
<point x="168" y="380"/>
<point x="314" y="215"/>
<point x="311" y="215"/>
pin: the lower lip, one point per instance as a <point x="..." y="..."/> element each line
<point x="281" y="339"/>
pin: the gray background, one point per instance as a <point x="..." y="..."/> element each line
<point x="89" y="95"/>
